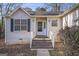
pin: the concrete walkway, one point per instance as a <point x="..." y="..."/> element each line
<point x="42" y="52"/>
<point x="1" y="54"/>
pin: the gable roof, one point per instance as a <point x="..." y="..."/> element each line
<point x="18" y="9"/>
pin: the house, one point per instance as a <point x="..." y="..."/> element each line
<point x="71" y="17"/>
<point x="23" y="26"/>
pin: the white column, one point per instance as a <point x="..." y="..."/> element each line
<point x="5" y="27"/>
<point x="48" y="27"/>
<point x="35" y="27"/>
<point x="33" y="30"/>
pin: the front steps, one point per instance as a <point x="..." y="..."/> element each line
<point x="41" y="44"/>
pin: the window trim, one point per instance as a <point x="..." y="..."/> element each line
<point x="56" y="23"/>
<point x="26" y="24"/>
<point x="20" y="26"/>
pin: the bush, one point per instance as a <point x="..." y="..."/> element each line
<point x="1" y="30"/>
<point x="0" y="26"/>
<point x="70" y="38"/>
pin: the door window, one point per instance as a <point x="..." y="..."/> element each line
<point x="40" y="26"/>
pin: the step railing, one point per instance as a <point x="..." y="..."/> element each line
<point x="31" y="39"/>
<point x="52" y="38"/>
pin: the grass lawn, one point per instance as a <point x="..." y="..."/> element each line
<point x="2" y="43"/>
<point x="56" y="53"/>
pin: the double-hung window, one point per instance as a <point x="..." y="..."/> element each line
<point x="20" y="24"/>
<point x="24" y="24"/>
<point x="17" y="25"/>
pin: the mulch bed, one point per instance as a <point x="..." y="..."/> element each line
<point x="18" y="50"/>
<point x="2" y="43"/>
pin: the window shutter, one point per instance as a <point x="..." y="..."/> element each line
<point x="28" y="25"/>
<point x="11" y="25"/>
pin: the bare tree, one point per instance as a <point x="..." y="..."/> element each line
<point x="5" y="8"/>
<point x="59" y="6"/>
<point x="41" y="9"/>
<point x="55" y="7"/>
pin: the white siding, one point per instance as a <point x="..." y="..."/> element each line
<point x="53" y="29"/>
<point x="71" y="19"/>
<point x="14" y="37"/>
<point x="20" y="14"/>
<point x="33" y="26"/>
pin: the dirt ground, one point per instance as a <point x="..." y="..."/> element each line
<point x="2" y="43"/>
<point x="16" y="50"/>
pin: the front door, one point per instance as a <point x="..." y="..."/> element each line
<point x="41" y="28"/>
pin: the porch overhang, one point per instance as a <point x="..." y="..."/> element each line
<point x="55" y="16"/>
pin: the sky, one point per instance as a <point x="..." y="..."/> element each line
<point x="33" y="5"/>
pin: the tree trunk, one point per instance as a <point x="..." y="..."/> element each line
<point x="2" y="24"/>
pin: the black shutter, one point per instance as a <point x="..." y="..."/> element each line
<point x="28" y="25"/>
<point x="11" y="25"/>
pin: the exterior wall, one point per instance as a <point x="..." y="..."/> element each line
<point x="77" y="12"/>
<point x="70" y="19"/>
<point x="53" y="30"/>
<point x="33" y="27"/>
<point x="15" y="36"/>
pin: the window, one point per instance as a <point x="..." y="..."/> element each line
<point x="40" y="26"/>
<point x="54" y="22"/>
<point x="17" y="25"/>
<point x="20" y="24"/>
<point x="74" y="15"/>
<point x="24" y="25"/>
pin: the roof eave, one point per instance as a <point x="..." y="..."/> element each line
<point x="46" y="16"/>
<point x="69" y="11"/>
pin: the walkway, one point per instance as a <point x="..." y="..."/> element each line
<point x="42" y="52"/>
